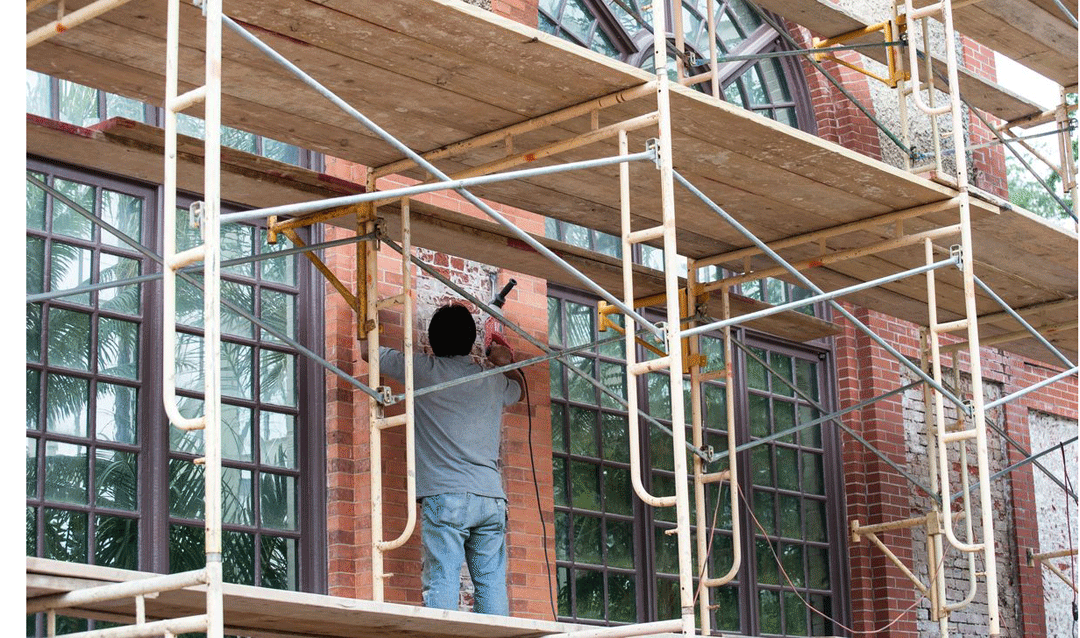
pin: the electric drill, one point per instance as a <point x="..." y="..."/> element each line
<point x="492" y="327"/>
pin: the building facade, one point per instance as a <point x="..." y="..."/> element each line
<point x="104" y="472"/>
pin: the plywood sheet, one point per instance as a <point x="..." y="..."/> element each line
<point x="436" y="72"/>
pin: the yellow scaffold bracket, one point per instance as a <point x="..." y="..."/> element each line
<point x="891" y="32"/>
<point x="605" y="310"/>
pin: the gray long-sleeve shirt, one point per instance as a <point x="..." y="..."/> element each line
<point x="457" y="429"/>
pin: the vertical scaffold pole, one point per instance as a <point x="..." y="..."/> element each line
<point x="673" y="329"/>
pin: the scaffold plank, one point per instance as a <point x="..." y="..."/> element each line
<point x="417" y="71"/>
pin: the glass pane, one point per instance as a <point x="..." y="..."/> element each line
<point x="583" y="438"/>
<point x="33" y="332"/>
<point x="759" y="416"/>
<point x="188" y="442"/>
<point x="767" y="571"/>
<point x="562" y="536"/>
<point x="783" y="419"/>
<point x="78" y="104"/>
<point x="775" y="291"/>
<point x="278" y="311"/>
<point x="236" y="362"/>
<point x="555" y="378"/>
<point x="120" y="106"/>
<point x="190" y="126"/>
<point x="587" y="540"/>
<point x="554" y="322"/>
<point x="589" y="587"/>
<point x="818" y="567"/>
<point x="35" y="265"/>
<point x="562" y="577"/>
<point x="278" y="501"/>
<point x="579" y="324"/>
<point x="761" y="466"/>
<point x="792" y="558"/>
<point x="620" y="543"/>
<point x="581" y="388"/>
<point x="69" y="339"/>
<point x="602" y="44"/>
<point x="782" y="364"/>
<point x="755" y="372"/>
<point x="238" y="557"/>
<point x="667" y="599"/>
<point x="189" y="361"/>
<point x="819" y="626"/>
<point x="660" y="452"/>
<point x="243" y="297"/>
<point x="185" y="489"/>
<point x="585" y="485"/>
<point x="33" y="399"/>
<point x="812" y="435"/>
<point x="787" y="468"/>
<point x="31" y="531"/>
<point x="237" y="241"/>
<point x="614" y="435"/>
<point x="187" y="548"/>
<point x="236" y="432"/>
<point x="236" y="496"/>
<point x="70" y="268"/>
<point x="38" y="94"/>
<point x="558" y="428"/>
<point x="116" y="479"/>
<point x="763" y="511"/>
<point x="117" y="413"/>
<point x="558" y="478"/>
<point x="622" y="598"/>
<point x="64" y="535"/>
<point x="815" y="520"/>
<point x="813" y="473"/>
<point x="278" y="559"/>
<point x="794" y="615"/>
<point x="280" y="270"/>
<point x="66" y="473"/>
<point x="123" y="299"/>
<point x="31" y="467"/>
<point x="65" y="221"/>
<point x="659" y="388"/>
<point x="727" y="608"/>
<point x="68" y="398"/>
<point x="277" y="377"/>
<point x="240" y="140"/>
<point x="118" y="348"/>
<point x="277" y="439"/>
<point x="124" y="213"/>
<point x="283" y="153"/>
<point x="806" y="378"/>
<point x="755" y="88"/>
<point x="609" y="244"/>
<point x="116" y="542"/>
<point x="617" y="491"/>
<point x="667" y="551"/>
<point x="612" y="377"/>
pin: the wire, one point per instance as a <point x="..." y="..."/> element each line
<point x="779" y="564"/>
<point x="539" y="507"/>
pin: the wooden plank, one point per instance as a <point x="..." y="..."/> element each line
<point x="829" y="20"/>
<point x="269" y="613"/>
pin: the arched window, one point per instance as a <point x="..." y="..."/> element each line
<point x="622" y="29"/>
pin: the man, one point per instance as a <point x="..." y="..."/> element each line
<point x="458" y="480"/>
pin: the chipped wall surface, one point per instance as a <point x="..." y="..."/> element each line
<point x="971" y="619"/>
<point x="1057" y="517"/>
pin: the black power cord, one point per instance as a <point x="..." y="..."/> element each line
<point x="539" y="507"/>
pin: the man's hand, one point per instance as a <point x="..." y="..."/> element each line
<point x="500" y="355"/>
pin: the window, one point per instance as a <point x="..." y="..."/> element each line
<point x="622" y="29"/>
<point x="106" y="483"/>
<point x="85" y="106"/>
<point x="616" y="562"/>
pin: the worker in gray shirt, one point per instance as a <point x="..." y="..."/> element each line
<point x="458" y="481"/>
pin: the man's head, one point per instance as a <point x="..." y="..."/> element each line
<point x="452" y="331"/>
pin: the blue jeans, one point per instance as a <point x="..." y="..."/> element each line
<point x="470" y="528"/>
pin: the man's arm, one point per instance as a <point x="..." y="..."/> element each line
<point x="499" y="356"/>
